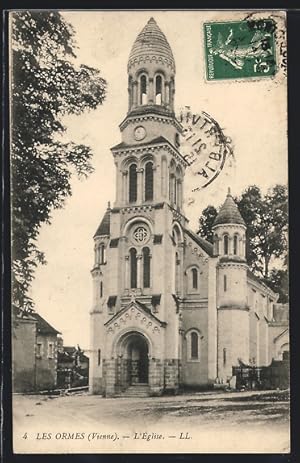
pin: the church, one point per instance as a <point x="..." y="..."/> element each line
<point x="169" y="308"/>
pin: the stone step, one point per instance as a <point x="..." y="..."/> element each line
<point x="137" y="390"/>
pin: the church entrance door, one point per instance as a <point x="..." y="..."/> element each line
<point x="137" y="355"/>
<point x="134" y="364"/>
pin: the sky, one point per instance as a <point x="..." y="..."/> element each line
<point x="253" y="113"/>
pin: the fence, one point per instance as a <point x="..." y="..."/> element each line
<point x="276" y="375"/>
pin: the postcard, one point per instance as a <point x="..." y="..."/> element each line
<point x="149" y="231"/>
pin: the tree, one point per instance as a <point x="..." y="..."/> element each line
<point x="266" y="218"/>
<point x="46" y="85"/>
<point x="206" y="222"/>
<point x="278" y="281"/>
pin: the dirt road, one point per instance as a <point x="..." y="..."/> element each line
<point x="200" y="422"/>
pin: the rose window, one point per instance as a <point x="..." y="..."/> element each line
<point x="140" y="235"/>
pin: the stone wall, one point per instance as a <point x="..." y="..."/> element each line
<point x="23" y="355"/>
<point x="171" y="375"/>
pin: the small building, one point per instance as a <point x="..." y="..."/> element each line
<point x="72" y="366"/>
<point x="46" y="354"/>
<point x="34" y="351"/>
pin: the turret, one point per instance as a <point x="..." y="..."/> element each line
<point x="233" y="313"/>
<point x="151" y="72"/>
<point x="230" y="231"/>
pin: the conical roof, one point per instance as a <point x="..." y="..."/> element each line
<point x="229" y="213"/>
<point x="104" y="227"/>
<point x="150" y="42"/>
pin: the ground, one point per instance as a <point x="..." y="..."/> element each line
<point x="242" y="422"/>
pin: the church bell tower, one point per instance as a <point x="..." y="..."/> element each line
<point x="139" y="244"/>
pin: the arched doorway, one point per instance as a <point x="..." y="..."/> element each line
<point x="134" y="360"/>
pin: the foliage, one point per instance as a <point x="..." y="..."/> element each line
<point x="46" y="85"/>
<point x="206" y="222"/>
<point x="278" y="281"/>
<point x="266" y="218"/>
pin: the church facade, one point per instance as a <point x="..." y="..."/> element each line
<point x="169" y="308"/>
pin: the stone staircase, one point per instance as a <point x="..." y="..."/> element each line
<point x="137" y="390"/>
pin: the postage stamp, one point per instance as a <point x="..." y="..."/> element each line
<point x="240" y="49"/>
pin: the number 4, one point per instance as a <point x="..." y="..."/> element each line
<point x="25" y="436"/>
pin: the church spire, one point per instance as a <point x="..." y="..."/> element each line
<point x="151" y="72"/>
<point x="229" y="212"/>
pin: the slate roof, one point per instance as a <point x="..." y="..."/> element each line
<point x="205" y="245"/>
<point x="43" y="327"/>
<point x="253" y="277"/>
<point x="229" y="213"/>
<point x="104" y="227"/>
<point x="159" y="139"/>
<point x="152" y="41"/>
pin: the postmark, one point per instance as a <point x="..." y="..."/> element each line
<point x="204" y="146"/>
<point x="240" y="49"/>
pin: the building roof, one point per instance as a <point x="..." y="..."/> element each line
<point x="229" y="213"/>
<point x="151" y="41"/>
<point x="141" y="306"/>
<point x="124" y="145"/>
<point x="43" y="327"/>
<point x="205" y="245"/>
<point x="104" y="227"/>
<point x="253" y="277"/>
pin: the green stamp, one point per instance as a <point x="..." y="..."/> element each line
<point x="240" y="49"/>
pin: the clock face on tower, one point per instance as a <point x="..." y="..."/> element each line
<point x="139" y="133"/>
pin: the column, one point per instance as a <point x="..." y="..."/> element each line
<point x="230" y="245"/>
<point x="181" y="273"/>
<point x="139" y="270"/>
<point x="135" y="94"/>
<point x="118" y="183"/>
<point x="167" y="94"/>
<point x="124" y="187"/>
<point x="126" y="282"/>
<point x="156" y="182"/>
<point x="163" y="178"/>
<point x="212" y="333"/>
<point x="140" y="185"/>
<point x="151" y="91"/>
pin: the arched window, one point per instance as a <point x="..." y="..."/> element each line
<point x="216" y="239"/>
<point x="194" y="345"/>
<point x="177" y="268"/>
<point x="133" y="268"/>
<point x="100" y="254"/>
<point x="143" y="90"/>
<point x="158" y="90"/>
<point x="130" y="92"/>
<point x="224" y="356"/>
<point x="171" y="187"/>
<point x="194" y="278"/>
<point x="235" y="245"/>
<point x="225" y="283"/>
<point x="132" y="183"/>
<point x="149" y="181"/>
<point x="146" y="269"/>
<point x="172" y="183"/>
<point x="226" y="243"/>
<point x="101" y="289"/>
